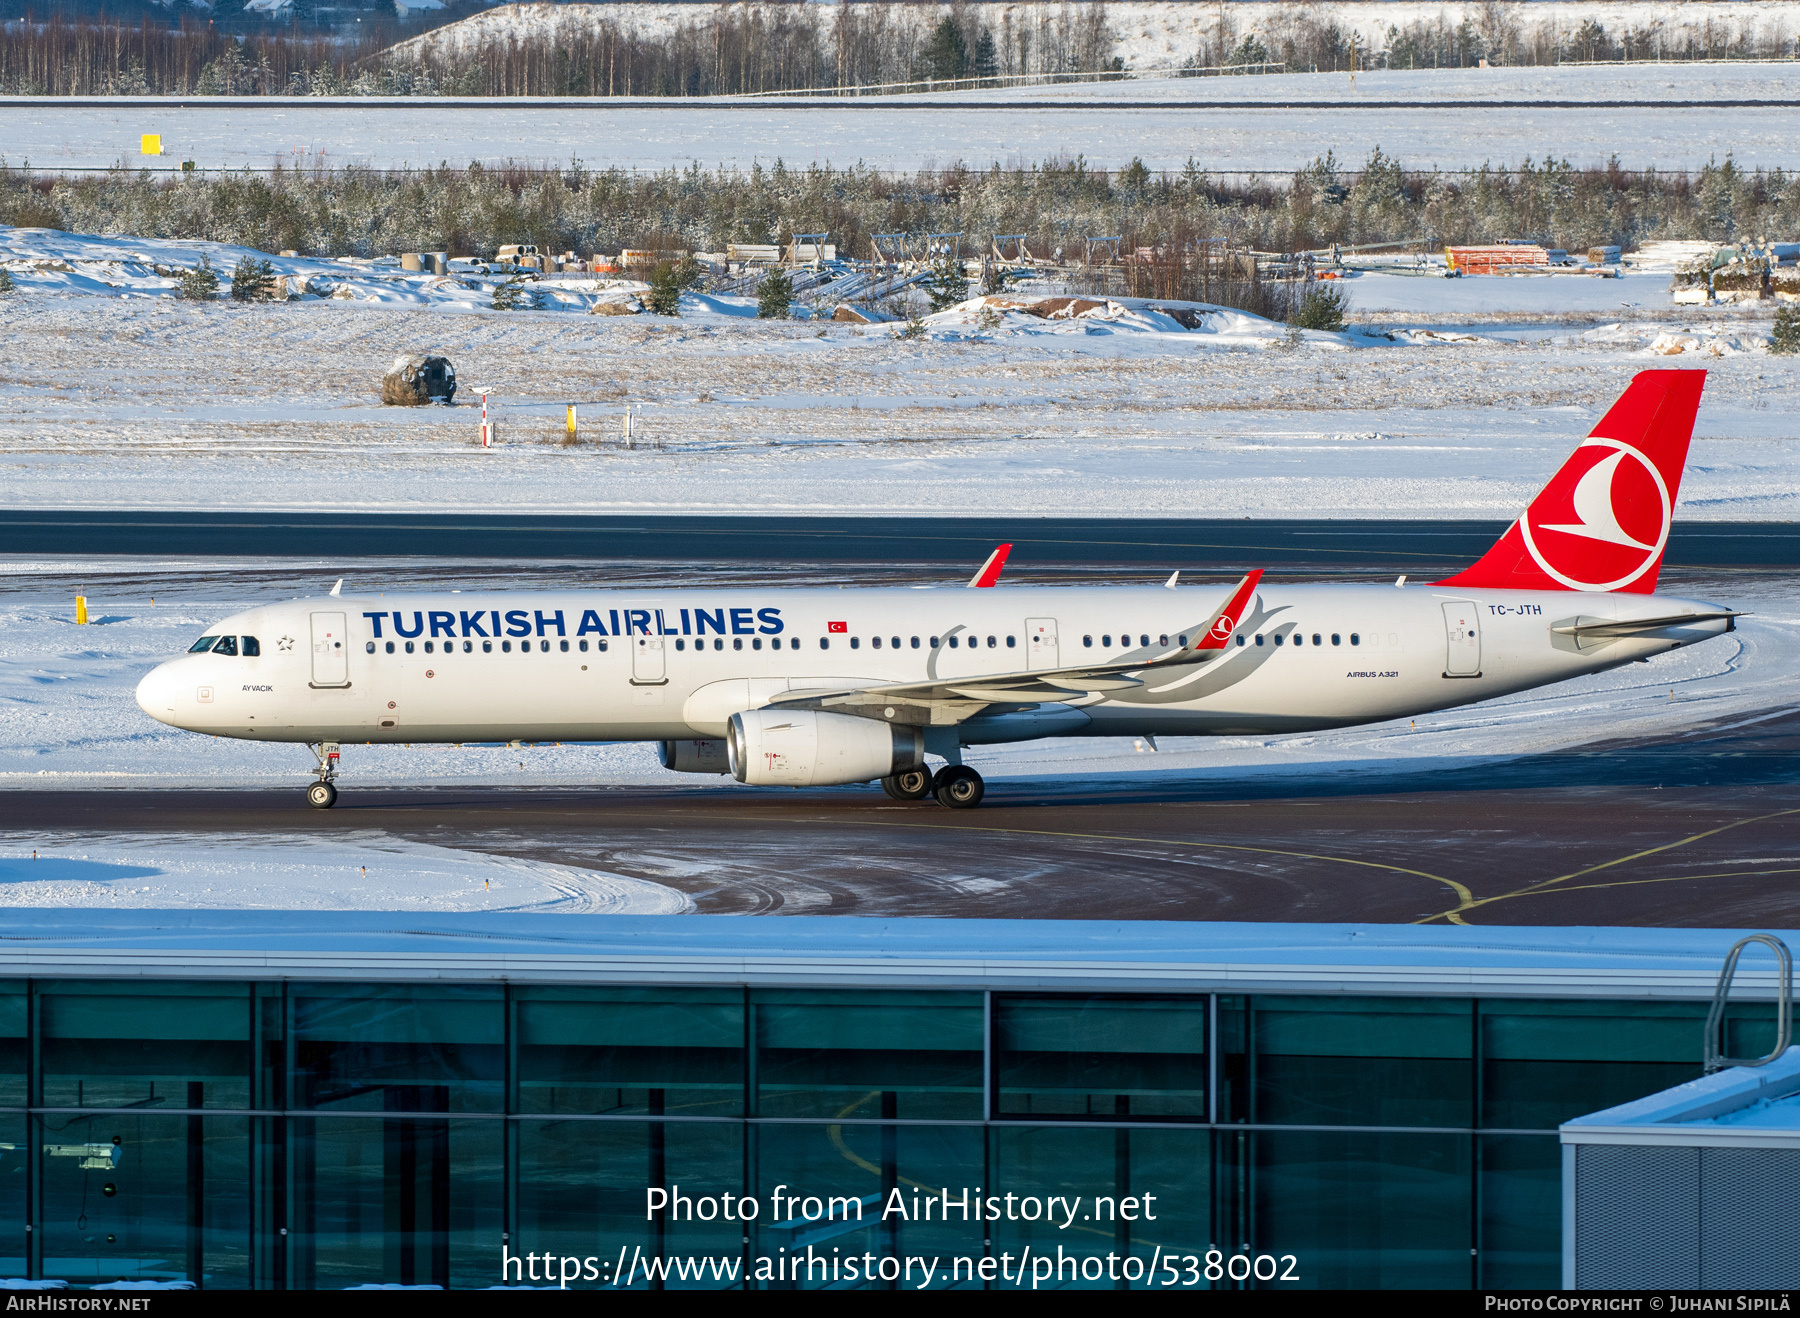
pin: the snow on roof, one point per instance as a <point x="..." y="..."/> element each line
<point x="846" y="950"/>
<point x="1742" y="1105"/>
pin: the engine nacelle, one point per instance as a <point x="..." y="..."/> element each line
<point x="692" y="756"/>
<point x="809" y="748"/>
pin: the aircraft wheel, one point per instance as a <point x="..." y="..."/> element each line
<point x="960" y="787"/>
<point x="321" y="796"/>
<point x="909" y="784"/>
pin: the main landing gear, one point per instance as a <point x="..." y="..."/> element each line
<point x="322" y="795"/>
<point x="955" y="785"/>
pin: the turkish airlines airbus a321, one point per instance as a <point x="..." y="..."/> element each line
<point x="798" y="688"/>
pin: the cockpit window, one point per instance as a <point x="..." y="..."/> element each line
<point x="252" y="649"/>
<point x="226" y="645"/>
<point x="202" y="645"/>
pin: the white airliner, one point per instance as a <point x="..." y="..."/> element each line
<point x="812" y="687"/>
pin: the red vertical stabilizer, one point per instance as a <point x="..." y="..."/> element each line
<point x="1603" y="520"/>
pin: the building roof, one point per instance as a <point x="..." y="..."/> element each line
<point x="1744" y="1106"/>
<point x="830" y="951"/>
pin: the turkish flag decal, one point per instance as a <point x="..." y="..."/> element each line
<point x="837" y="626"/>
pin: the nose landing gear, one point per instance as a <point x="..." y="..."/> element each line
<point x="322" y="795"/>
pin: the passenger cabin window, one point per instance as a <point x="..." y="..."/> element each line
<point x="1279" y="638"/>
<point x="992" y="643"/>
<point x="1162" y="640"/>
<point x="1012" y="642"/>
<point x="1240" y="640"/>
<point x="1144" y="640"/>
<point x="1355" y="638"/>
<point x="824" y="643"/>
<point x="390" y="647"/>
<point x="1088" y="641"/>
<point x="897" y="642"/>
<point x="756" y="643"/>
<point x="1106" y="640"/>
<point x="1337" y="638"/>
<point x="409" y="647"/>
<point x="679" y="645"/>
<point x="856" y="642"/>
<point x="876" y="642"/>
<point x="505" y="647"/>
<point x="563" y="646"/>
<point x="252" y="648"/>
<point x="369" y="648"/>
<point x="226" y="645"/>
<point x="1317" y="640"/>
<point x="202" y="645"/>
<point x="428" y="649"/>
<point x="487" y="647"/>
<point x="915" y="642"/>
<point x="469" y="647"/>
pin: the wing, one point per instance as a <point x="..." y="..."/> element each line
<point x="951" y="700"/>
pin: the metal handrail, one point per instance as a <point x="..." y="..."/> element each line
<point x="1713" y="1049"/>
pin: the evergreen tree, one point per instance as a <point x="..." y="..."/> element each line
<point x="509" y="296"/>
<point x="947" y="285"/>
<point x="252" y="280"/>
<point x="987" y="59"/>
<point x="946" y="53"/>
<point x="1323" y="309"/>
<point x="773" y="297"/>
<point x="6" y="283"/>
<point x="664" y="297"/>
<point x="201" y="284"/>
<point x="1787" y="330"/>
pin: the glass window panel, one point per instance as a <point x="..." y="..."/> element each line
<point x="1521" y="1212"/>
<point x="1101" y="1056"/>
<point x="827" y="1173"/>
<point x="173" y="1205"/>
<point x="582" y="1194"/>
<point x="412" y="1200"/>
<point x="15" y="1148"/>
<point x="438" y="1048"/>
<point x="868" y="1054"/>
<point x="1364" y="1211"/>
<point x="14" y="1008"/>
<point x="1546" y="1062"/>
<point x="1362" y="1061"/>
<point x="626" y="1050"/>
<point x="163" y="1044"/>
<point x="1161" y="1176"/>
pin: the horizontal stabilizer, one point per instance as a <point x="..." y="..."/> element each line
<point x="1638" y="626"/>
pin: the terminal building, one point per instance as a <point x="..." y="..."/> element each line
<point x="296" y="1100"/>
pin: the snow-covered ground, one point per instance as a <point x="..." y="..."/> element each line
<point x="1157" y="34"/>
<point x="68" y="718"/>
<point x="1272" y="123"/>
<point x="1453" y="398"/>
<point x="365" y="871"/>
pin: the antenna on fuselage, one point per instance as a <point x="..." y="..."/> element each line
<point x="1170" y="583"/>
<point x="340" y="585"/>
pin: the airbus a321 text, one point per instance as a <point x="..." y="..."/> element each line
<point x="796" y="688"/>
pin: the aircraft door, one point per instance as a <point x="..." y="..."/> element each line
<point x="1462" y="638"/>
<point x="330" y="653"/>
<point x="647" y="664"/>
<point x="1041" y="648"/>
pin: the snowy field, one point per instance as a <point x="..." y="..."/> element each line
<point x="352" y="872"/>
<point x="68" y="718"/>
<point x="1451" y="398"/>
<point x="909" y="133"/>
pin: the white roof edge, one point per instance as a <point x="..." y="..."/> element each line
<point x="1673" y="1112"/>
<point x="848" y="970"/>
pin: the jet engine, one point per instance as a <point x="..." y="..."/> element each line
<point x="808" y="748"/>
<point x="694" y="756"/>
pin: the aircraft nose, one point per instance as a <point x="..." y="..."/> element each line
<point x="156" y="694"/>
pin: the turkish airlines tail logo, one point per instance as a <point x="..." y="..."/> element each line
<point x="1602" y="522"/>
